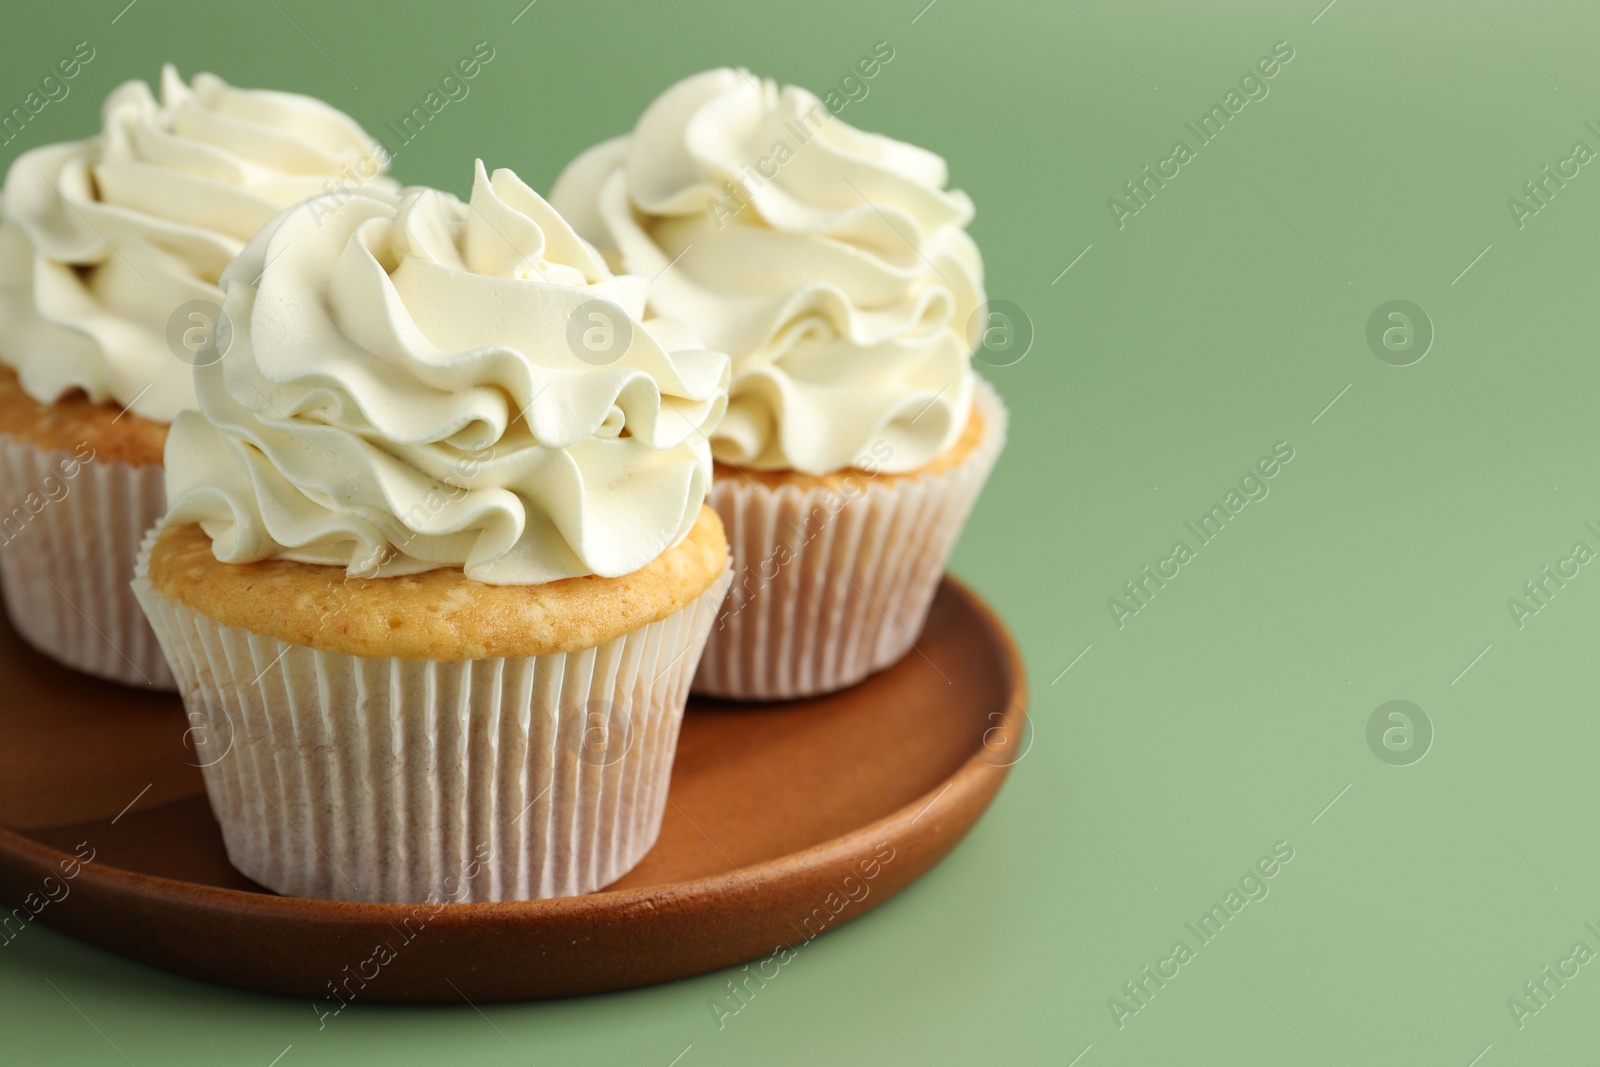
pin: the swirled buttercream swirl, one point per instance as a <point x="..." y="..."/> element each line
<point x="830" y="264"/>
<point x="106" y="238"/>
<point x="405" y="386"/>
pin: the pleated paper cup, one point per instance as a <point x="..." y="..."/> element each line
<point x="341" y="777"/>
<point x="829" y="585"/>
<point x="70" y="530"/>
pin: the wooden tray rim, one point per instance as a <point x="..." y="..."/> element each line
<point x="977" y="777"/>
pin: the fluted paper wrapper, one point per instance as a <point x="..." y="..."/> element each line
<point x="829" y="588"/>
<point x="67" y="551"/>
<point x="342" y="777"/>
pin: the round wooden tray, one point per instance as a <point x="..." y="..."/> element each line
<point x="784" y="821"/>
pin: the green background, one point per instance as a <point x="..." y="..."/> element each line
<point x="1227" y="714"/>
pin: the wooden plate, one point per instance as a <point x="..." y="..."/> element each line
<point x="785" y="821"/>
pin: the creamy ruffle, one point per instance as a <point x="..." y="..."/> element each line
<point x="398" y="393"/>
<point x="106" y="238"/>
<point x="830" y="264"/>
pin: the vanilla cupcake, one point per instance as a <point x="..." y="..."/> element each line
<point x="110" y="255"/>
<point x="834" y="268"/>
<point x="438" y="569"/>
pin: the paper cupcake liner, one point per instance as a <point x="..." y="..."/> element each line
<point x="67" y="549"/>
<point x="341" y="777"/>
<point x="829" y="587"/>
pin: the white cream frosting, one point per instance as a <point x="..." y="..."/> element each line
<point x="830" y="264"/>
<point x="105" y="239"/>
<point x="398" y="393"/>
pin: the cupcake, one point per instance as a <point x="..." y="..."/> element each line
<point x="833" y="266"/>
<point x="109" y="259"/>
<point x="438" y="568"/>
